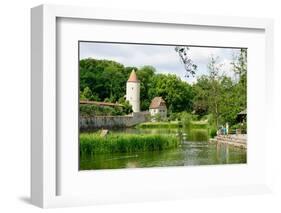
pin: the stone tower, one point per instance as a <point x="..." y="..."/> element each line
<point x="133" y="91"/>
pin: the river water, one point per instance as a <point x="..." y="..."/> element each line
<point x="190" y="153"/>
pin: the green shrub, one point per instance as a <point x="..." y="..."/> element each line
<point x="241" y="126"/>
<point x="213" y="132"/>
<point x="186" y="119"/>
<point x="173" y="116"/>
<point x="87" y="110"/>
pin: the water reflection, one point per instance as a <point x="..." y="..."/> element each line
<point x="189" y="153"/>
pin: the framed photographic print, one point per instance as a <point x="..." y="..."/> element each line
<point x="156" y="105"/>
<point x="150" y="106"/>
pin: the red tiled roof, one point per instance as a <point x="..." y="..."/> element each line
<point x="157" y="102"/>
<point x="133" y="77"/>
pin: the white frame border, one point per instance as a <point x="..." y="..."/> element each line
<point x="43" y="89"/>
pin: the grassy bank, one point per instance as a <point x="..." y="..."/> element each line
<point x="163" y="125"/>
<point x="92" y="143"/>
<point x="197" y="130"/>
<point x="199" y="125"/>
<point x="175" y="124"/>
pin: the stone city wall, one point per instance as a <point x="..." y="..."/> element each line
<point x="111" y="122"/>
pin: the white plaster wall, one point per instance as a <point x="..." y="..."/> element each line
<point x="156" y="111"/>
<point x="133" y="95"/>
<point x="153" y="111"/>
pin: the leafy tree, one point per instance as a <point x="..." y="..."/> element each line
<point x="219" y="95"/>
<point x="104" y="78"/>
<point x="240" y="69"/>
<point x="214" y="95"/>
<point x="157" y="117"/>
<point x="177" y="93"/>
<point x="145" y="74"/>
<point x="214" y="88"/>
<point x="107" y="82"/>
<point x="201" y="95"/>
<point x="186" y="119"/>
<point x="127" y="106"/>
<point x="228" y="101"/>
<point x="88" y="95"/>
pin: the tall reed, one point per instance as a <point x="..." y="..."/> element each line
<point x="92" y="143"/>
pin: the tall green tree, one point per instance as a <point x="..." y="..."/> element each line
<point x="178" y="94"/>
<point x="219" y="95"/>
<point x="240" y="69"/>
<point x="201" y="96"/>
<point x="105" y="78"/>
<point x="214" y="100"/>
<point x="145" y="74"/>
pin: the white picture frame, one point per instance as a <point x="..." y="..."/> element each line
<point x="44" y="135"/>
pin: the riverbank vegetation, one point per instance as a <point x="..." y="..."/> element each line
<point x="216" y="97"/>
<point x="87" y="110"/>
<point x="198" y="130"/>
<point x="191" y="124"/>
<point x="162" y="125"/>
<point x="93" y="143"/>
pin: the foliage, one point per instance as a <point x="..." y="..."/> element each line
<point x="214" y="88"/>
<point x="145" y="75"/>
<point x="157" y="117"/>
<point x="127" y="107"/>
<point x="213" y="132"/>
<point x="240" y="69"/>
<point x="186" y="120"/>
<point x="200" y="100"/>
<point x="199" y="125"/>
<point x="87" y="94"/>
<point x="177" y="94"/>
<point x="215" y="97"/>
<point x="92" y="143"/>
<point x="105" y="80"/>
<point x="88" y="110"/>
<point x="159" y="125"/>
<point x="174" y="116"/>
<point x="220" y="96"/>
<point x="240" y="126"/>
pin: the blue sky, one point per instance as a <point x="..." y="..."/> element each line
<point x="164" y="58"/>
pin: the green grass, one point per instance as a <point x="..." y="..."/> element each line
<point x="199" y="125"/>
<point x="152" y="125"/>
<point x="92" y="143"/>
<point x="174" y="124"/>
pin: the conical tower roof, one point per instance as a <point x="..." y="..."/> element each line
<point x="133" y="77"/>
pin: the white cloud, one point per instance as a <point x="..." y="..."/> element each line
<point x="163" y="58"/>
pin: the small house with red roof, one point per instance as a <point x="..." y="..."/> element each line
<point x="158" y="106"/>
